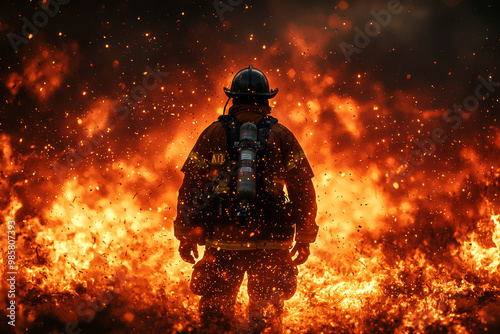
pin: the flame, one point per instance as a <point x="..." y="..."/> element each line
<point x="416" y="256"/>
<point x="97" y="117"/>
<point x="44" y="72"/>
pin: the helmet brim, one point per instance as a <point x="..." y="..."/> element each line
<point x="269" y="95"/>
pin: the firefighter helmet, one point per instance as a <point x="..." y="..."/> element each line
<point x="250" y="83"/>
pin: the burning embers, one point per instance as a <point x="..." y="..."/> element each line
<point x="424" y="259"/>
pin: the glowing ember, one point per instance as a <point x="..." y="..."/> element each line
<point x="419" y="254"/>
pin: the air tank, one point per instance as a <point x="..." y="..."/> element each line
<point x="247" y="153"/>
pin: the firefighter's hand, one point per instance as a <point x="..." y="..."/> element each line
<point x="186" y="248"/>
<point x="302" y="251"/>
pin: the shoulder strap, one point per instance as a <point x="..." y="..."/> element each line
<point x="264" y="127"/>
<point x="232" y="127"/>
<point x="267" y="122"/>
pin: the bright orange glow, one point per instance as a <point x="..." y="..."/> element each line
<point x="418" y="253"/>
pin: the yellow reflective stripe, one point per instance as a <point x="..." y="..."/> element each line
<point x="290" y="165"/>
<point x="274" y="184"/>
<point x="222" y="187"/>
<point x="297" y="158"/>
<point x="263" y="244"/>
<point x="194" y="157"/>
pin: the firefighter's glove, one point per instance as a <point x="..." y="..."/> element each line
<point x="186" y="248"/>
<point x="302" y="251"/>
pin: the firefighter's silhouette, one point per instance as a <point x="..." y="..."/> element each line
<point x="233" y="201"/>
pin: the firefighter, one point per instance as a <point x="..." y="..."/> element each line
<point x="244" y="229"/>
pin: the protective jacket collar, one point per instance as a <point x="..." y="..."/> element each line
<point x="261" y="109"/>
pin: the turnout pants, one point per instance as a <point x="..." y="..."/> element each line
<point x="272" y="278"/>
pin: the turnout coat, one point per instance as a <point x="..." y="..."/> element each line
<point x="284" y="208"/>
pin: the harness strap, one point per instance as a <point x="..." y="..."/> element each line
<point x="232" y="126"/>
<point x="264" y="127"/>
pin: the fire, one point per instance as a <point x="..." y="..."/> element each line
<point x="482" y="258"/>
<point x="97" y="116"/>
<point x="420" y="255"/>
<point x="43" y="74"/>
